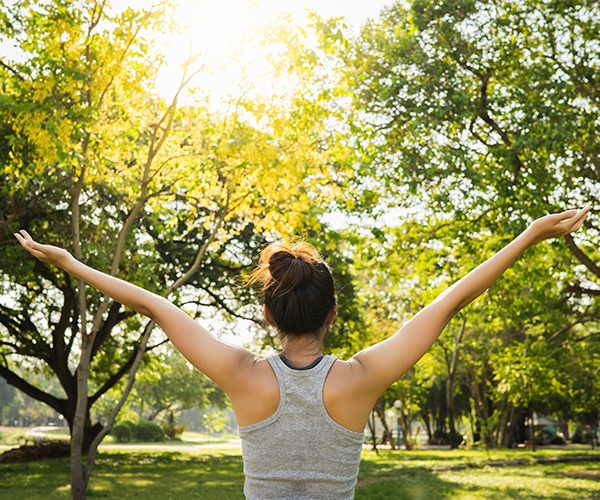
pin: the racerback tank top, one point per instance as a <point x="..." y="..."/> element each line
<point x="300" y="452"/>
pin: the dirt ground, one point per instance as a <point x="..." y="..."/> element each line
<point x="33" y="453"/>
<point x="30" y="452"/>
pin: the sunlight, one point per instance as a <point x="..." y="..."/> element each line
<point x="221" y="32"/>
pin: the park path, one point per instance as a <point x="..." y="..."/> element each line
<point x="41" y="432"/>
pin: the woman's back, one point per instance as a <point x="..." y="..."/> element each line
<point x="300" y="452"/>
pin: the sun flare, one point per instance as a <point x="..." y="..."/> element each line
<point x="219" y="35"/>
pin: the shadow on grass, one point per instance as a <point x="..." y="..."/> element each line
<point x="218" y="475"/>
<point x="526" y="483"/>
<point x="131" y="475"/>
<point x="169" y="475"/>
<point x="394" y="476"/>
<point x="414" y="484"/>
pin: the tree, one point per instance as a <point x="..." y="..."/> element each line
<point x="464" y="121"/>
<point x="171" y="198"/>
<point x="582" y="399"/>
<point x="173" y="385"/>
<point x="528" y="377"/>
<point x="487" y="111"/>
<point x="475" y="118"/>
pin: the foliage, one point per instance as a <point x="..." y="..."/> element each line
<point x="171" y="429"/>
<point x="169" y="383"/>
<point x="528" y="374"/>
<point x="175" y="199"/>
<point x="142" y="431"/>
<point x="123" y="431"/>
<point x="185" y="178"/>
<point x="213" y="422"/>
<point x="470" y="120"/>
<point x="146" y="431"/>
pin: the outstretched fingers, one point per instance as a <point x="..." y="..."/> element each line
<point x="576" y="221"/>
<point x="29" y="244"/>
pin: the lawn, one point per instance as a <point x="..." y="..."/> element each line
<point x="431" y="475"/>
<point x="218" y="475"/>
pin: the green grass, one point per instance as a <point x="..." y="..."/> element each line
<point x="151" y="475"/>
<point x="218" y="475"/>
<point x="59" y="431"/>
<point x="12" y="436"/>
<point x="417" y="476"/>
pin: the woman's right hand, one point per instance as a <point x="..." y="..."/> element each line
<point x="46" y="253"/>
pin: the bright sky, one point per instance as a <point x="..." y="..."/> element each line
<point x="216" y="28"/>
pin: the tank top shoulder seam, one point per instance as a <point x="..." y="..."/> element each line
<point x="325" y="414"/>
<point x="282" y="398"/>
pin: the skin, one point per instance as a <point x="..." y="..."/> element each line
<point x="352" y="387"/>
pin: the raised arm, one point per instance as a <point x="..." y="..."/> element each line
<point x="220" y="361"/>
<point x="377" y="367"/>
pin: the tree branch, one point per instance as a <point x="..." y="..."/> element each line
<point x="569" y="326"/>
<point x="218" y="301"/>
<point x="24" y="386"/>
<point x="581" y="256"/>
<point x="484" y="115"/>
<point x="114" y="378"/>
<point x="114" y="317"/>
<point x="12" y="70"/>
<point x="579" y="290"/>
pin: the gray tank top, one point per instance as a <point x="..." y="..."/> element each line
<point x="300" y="452"/>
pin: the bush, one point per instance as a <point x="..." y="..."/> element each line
<point x="123" y="432"/>
<point x="148" y="431"/>
<point x="174" y="431"/>
<point x="141" y="431"/>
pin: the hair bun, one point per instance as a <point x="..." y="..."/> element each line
<point x="298" y="288"/>
<point x="290" y="271"/>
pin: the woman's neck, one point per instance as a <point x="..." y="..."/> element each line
<point x="302" y="351"/>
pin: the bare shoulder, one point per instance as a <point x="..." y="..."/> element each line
<point x="346" y="377"/>
<point x="254" y="391"/>
<point x="347" y="395"/>
<point x="256" y="371"/>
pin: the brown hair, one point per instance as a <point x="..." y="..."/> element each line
<point x="297" y="286"/>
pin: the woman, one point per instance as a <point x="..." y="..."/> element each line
<point x="302" y="414"/>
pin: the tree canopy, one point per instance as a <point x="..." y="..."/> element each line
<point x="467" y="120"/>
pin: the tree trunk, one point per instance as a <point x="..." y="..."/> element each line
<point x="371" y="423"/>
<point x="455" y="438"/>
<point x="380" y="409"/>
<point x="405" y="425"/>
<point x="531" y="431"/>
<point x="78" y="479"/>
<point x="481" y="409"/>
<point x="427" y="424"/>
